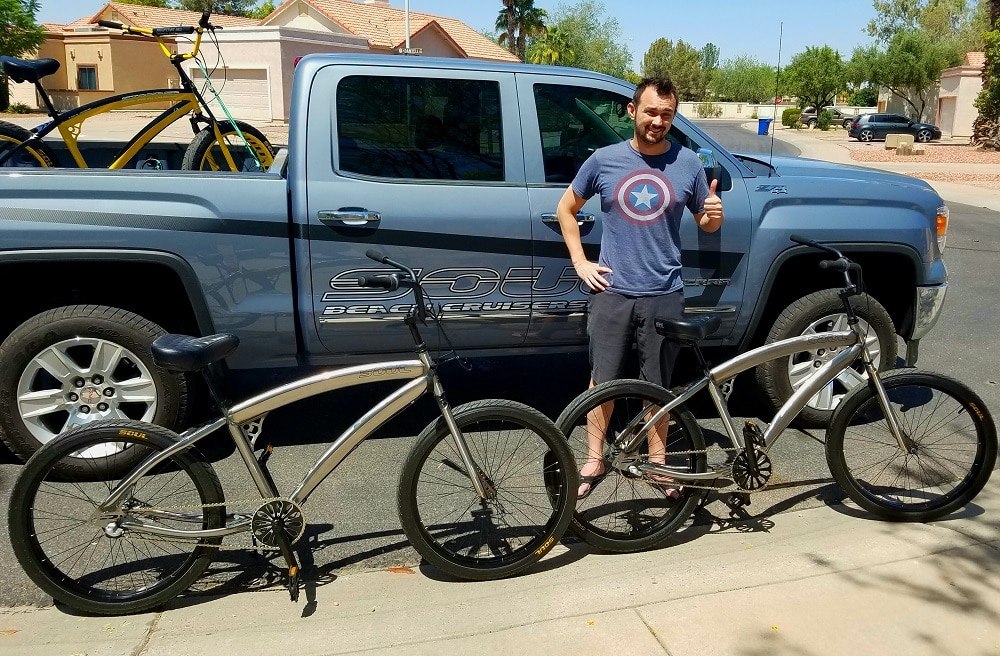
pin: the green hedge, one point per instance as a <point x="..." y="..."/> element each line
<point x="790" y="116"/>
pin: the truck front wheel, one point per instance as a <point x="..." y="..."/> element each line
<point x="78" y="364"/>
<point x="820" y="312"/>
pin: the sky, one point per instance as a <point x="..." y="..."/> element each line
<point x="747" y="27"/>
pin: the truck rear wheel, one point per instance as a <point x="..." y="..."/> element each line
<point x="820" y="312"/>
<point x="78" y="364"/>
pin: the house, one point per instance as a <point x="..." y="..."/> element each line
<point x="959" y="87"/>
<point x="253" y="64"/>
<point x="949" y="100"/>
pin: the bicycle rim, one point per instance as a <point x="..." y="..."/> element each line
<point x="92" y="564"/>
<point x="625" y="511"/>
<point x="951" y="439"/>
<point x="466" y="536"/>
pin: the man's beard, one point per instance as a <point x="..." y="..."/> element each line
<point x="649" y="138"/>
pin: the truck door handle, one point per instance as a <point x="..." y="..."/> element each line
<point x="581" y="218"/>
<point x="350" y="216"/>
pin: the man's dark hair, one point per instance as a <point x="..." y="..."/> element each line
<point x="664" y="87"/>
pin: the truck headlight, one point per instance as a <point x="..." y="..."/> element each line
<point x="942" y="226"/>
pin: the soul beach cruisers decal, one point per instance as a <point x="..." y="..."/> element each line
<point x="472" y="290"/>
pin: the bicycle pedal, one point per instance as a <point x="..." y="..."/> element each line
<point x="293" y="583"/>
<point x="739" y="500"/>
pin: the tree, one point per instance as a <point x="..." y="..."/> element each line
<point x="744" y="79"/>
<point x="519" y="19"/>
<point x="595" y="40"/>
<point x="20" y="35"/>
<point x="263" y="11"/>
<point x="681" y="63"/>
<point x="710" y="57"/>
<point x="553" y="48"/>
<point x="816" y="76"/>
<point x="165" y="4"/>
<point x="908" y="67"/>
<point x="960" y="20"/>
<point x="986" y="127"/>
<point x="228" y="7"/>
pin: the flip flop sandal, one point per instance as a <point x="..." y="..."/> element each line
<point x="591" y="482"/>
<point x="672" y="493"/>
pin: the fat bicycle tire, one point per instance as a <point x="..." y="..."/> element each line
<point x="953" y="453"/>
<point x="205" y="154"/>
<point x="624" y="512"/>
<point x="37" y="155"/>
<point x="70" y="556"/>
<point x="527" y="462"/>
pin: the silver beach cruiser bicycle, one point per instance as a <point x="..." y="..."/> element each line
<point x="121" y="516"/>
<point x="907" y="445"/>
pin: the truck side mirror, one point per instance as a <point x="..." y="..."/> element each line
<point x="714" y="170"/>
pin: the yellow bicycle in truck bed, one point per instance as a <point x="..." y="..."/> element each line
<point x="217" y="145"/>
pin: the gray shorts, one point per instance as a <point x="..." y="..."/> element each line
<point x="615" y="322"/>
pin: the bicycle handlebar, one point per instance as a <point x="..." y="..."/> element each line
<point x="390" y="283"/>
<point x="203" y="24"/>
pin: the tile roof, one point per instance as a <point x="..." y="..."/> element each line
<point x="145" y="16"/>
<point x="977" y="59"/>
<point x="385" y="27"/>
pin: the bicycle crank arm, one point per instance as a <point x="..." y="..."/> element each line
<point x="679" y="474"/>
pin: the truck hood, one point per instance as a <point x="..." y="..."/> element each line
<point x="789" y="168"/>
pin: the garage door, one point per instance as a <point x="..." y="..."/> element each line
<point x="245" y="91"/>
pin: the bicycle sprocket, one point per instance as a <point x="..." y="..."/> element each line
<point x="283" y="514"/>
<point x="751" y="478"/>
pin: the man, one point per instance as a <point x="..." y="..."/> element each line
<point x="644" y="184"/>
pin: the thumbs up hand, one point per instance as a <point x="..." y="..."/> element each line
<point x="712" y="218"/>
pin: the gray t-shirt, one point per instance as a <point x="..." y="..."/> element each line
<point x="643" y="199"/>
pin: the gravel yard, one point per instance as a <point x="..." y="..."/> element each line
<point x="936" y="154"/>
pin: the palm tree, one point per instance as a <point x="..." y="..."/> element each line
<point x="519" y="19"/>
<point x="553" y="48"/>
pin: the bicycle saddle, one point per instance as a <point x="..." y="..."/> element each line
<point x="28" y="70"/>
<point x="687" y="331"/>
<point x="186" y="353"/>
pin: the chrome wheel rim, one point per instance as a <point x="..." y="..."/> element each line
<point x="804" y="364"/>
<point x="82" y="380"/>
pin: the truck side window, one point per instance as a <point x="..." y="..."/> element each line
<point x="420" y="128"/>
<point x="576" y="121"/>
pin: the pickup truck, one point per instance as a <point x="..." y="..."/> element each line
<point x="452" y="166"/>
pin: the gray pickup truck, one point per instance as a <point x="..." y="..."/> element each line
<point x="454" y="167"/>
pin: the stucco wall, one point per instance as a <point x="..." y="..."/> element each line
<point x="959" y="87"/>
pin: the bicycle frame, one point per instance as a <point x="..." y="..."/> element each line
<point x="243" y="420"/>
<point x="782" y="349"/>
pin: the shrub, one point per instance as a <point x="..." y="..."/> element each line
<point x="824" y="119"/>
<point x="754" y="115"/>
<point x="20" y="108"/>
<point x="708" y="109"/>
<point x="790" y="117"/>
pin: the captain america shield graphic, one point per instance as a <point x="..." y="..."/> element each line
<point x="644" y="196"/>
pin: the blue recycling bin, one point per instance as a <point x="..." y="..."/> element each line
<point x="763" y="124"/>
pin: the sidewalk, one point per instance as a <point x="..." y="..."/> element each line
<point x="820" y="581"/>
<point x="832" y="146"/>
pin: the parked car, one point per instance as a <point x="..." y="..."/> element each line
<point x="809" y="117"/>
<point x="876" y="126"/>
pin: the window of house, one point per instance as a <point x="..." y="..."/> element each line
<point x="420" y="128"/>
<point x="86" y="78"/>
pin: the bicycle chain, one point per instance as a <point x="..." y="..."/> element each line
<point x="256" y="504"/>
<point x="733" y="487"/>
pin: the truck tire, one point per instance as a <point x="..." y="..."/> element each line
<point x="38" y="155"/>
<point x="818" y="312"/>
<point x="78" y="364"/>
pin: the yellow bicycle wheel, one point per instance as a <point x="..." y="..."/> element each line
<point x="206" y="152"/>
<point x="36" y="155"/>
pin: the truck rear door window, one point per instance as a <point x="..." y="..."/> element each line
<point x="420" y="128"/>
